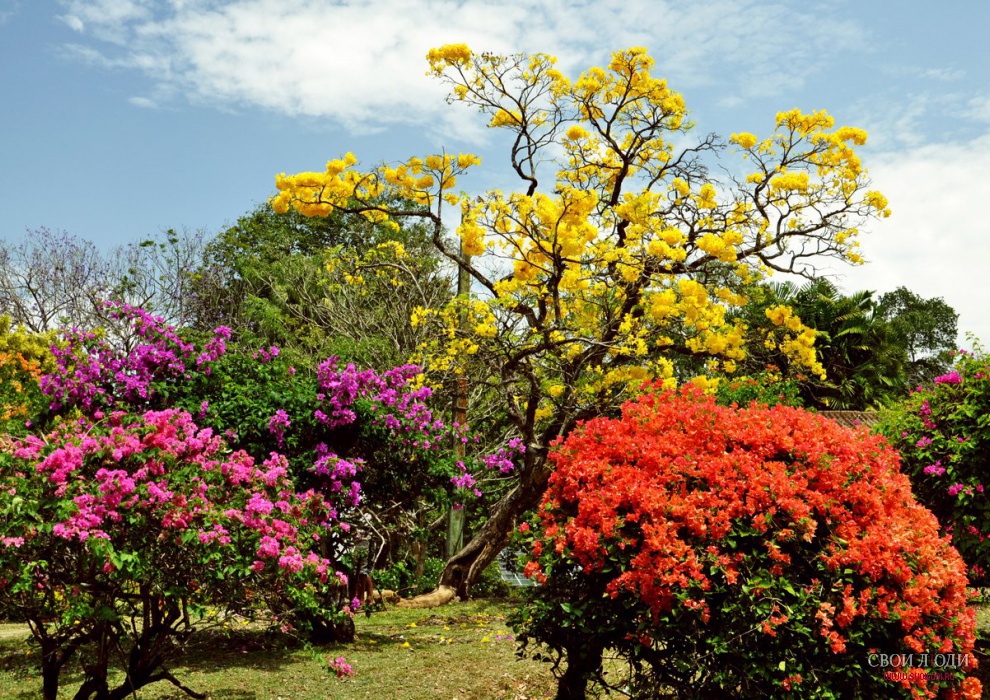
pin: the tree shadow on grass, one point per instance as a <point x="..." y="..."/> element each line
<point x="208" y="651"/>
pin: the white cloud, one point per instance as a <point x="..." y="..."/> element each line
<point x="898" y="122"/>
<point x="8" y="8"/>
<point x="978" y="108"/>
<point x="909" y="120"/>
<point x="943" y="74"/>
<point x="362" y="62"/>
<point x="913" y="72"/>
<point x="74" y="23"/>
<point x="109" y="20"/>
<point x="937" y="243"/>
<point x="143" y="102"/>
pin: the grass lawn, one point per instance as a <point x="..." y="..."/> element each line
<point x="458" y="651"/>
<point x="455" y="652"/>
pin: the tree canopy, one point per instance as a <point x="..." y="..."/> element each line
<point x="926" y="327"/>
<point x="283" y="280"/>
<point x="871" y="349"/>
<point x="620" y="251"/>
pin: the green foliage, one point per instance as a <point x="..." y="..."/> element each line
<point x="943" y="434"/>
<point x="432" y="568"/>
<point x="241" y="393"/>
<point x="767" y="388"/>
<point x="864" y="357"/>
<point x="491" y="585"/>
<point x="926" y="327"/>
<point x="394" y="577"/>
<point x="282" y="279"/>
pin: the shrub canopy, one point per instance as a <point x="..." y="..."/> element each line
<point x="758" y="552"/>
<point x="942" y="432"/>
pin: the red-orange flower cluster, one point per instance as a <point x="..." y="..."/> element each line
<point x="684" y="507"/>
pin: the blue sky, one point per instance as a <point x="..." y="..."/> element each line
<point x="122" y="118"/>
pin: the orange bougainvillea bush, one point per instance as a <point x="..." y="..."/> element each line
<point x="754" y="552"/>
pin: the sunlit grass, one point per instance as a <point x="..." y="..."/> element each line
<point x="458" y="651"/>
<point x="461" y="651"/>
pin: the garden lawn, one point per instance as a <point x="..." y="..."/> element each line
<point x="462" y="652"/>
<point x="458" y="651"/>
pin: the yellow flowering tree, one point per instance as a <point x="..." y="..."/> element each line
<point x="619" y="253"/>
<point x="24" y="355"/>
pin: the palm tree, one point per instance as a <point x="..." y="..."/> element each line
<point x="864" y="358"/>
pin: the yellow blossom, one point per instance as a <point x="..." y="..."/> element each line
<point x="744" y="139"/>
<point x="791" y="181"/>
<point x="448" y="54"/>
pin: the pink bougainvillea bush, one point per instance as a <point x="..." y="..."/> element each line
<point x="942" y="432"/>
<point x="743" y="553"/>
<point x="116" y="534"/>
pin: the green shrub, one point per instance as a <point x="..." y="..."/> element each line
<point x="433" y="566"/>
<point x="491" y="585"/>
<point x="767" y="388"/>
<point x="394" y="577"/>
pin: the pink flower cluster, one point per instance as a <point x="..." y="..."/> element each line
<point x="340" y="667"/>
<point x="162" y="474"/>
<point x="92" y="373"/>
<point x="277" y="425"/>
<point x="263" y="356"/>
<point x="952" y="377"/>
<point x="503" y="458"/>
<point x="336" y="470"/>
<point x="400" y="407"/>
<point x="465" y="480"/>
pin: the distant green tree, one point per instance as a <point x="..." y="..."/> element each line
<point x="927" y="328"/>
<point x="291" y="281"/>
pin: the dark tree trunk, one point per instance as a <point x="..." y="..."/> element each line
<point x="54" y="656"/>
<point x="50" y="669"/>
<point x="325" y="631"/>
<point x="582" y="662"/>
<point x="465" y="568"/>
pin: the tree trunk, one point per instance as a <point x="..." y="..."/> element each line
<point x="50" y="670"/>
<point x="582" y="661"/>
<point x="418" y="548"/>
<point x="53" y="658"/>
<point x="325" y="631"/>
<point x="465" y="568"/>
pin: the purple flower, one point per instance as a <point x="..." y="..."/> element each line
<point x="277" y="425"/>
